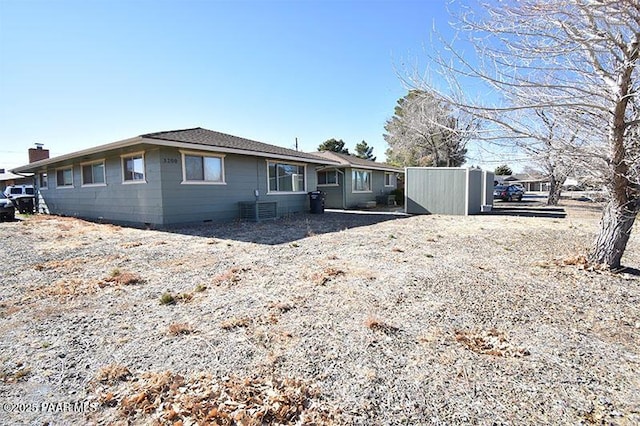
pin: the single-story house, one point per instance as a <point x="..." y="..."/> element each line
<point x="355" y="182"/>
<point x="176" y="177"/>
<point x="528" y="182"/>
<point x="9" y="179"/>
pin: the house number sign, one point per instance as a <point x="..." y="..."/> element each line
<point x="170" y="160"/>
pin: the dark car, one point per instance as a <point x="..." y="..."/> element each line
<point x="508" y="192"/>
<point x="7" y="209"/>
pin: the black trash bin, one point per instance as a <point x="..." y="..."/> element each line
<point x="316" y="201"/>
<point x="24" y="204"/>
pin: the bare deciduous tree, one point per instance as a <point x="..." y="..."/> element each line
<point x="549" y="148"/>
<point x="424" y="131"/>
<point x="576" y="60"/>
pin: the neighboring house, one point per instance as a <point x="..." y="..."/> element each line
<point x="176" y="177"/>
<point x="355" y="181"/>
<point x="528" y="182"/>
<point x="8" y="179"/>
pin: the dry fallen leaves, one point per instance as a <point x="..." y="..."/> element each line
<point x="168" y="399"/>
<point x="580" y="261"/>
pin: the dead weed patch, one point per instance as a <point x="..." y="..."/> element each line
<point x="67" y="287"/>
<point x="230" y="276"/>
<point x="112" y="373"/>
<point x="235" y="322"/>
<point x="376" y="324"/>
<point x="124" y="278"/>
<point x="326" y="275"/>
<point x="490" y="342"/>
<point x="131" y="244"/>
<point x="178" y="329"/>
<point x="71" y="265"/>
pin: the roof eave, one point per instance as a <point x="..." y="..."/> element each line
<point x="381" y="168"/>
<point x="345" y="162"/>
<point x="38" y="165"/>
<point x="33" y="167"/>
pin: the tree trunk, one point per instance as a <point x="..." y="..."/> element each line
<point x="554" y="192"/>
<point x="615" y="229"/>
<point x="555" y="189"/>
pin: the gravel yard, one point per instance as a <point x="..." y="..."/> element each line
<point x="327" y="319"/>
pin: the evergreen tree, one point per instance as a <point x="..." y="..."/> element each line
<point x="363" y="150"/>
<point x="333" y="145"/>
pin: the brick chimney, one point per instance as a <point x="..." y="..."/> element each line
<point x="37" y="153"/>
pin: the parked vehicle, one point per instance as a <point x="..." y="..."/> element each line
<point x="508" y="192"/>
<point x="7" y="209"/>
<point x="22" y="197"/>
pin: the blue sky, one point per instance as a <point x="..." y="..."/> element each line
<point x="75" y="74"/>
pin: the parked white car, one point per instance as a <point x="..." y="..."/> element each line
<point x="22" y="197"/>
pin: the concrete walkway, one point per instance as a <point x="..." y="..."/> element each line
<point x="391" y="211"/>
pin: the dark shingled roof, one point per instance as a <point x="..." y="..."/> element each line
<point x="206" y="137"/>
<point x="352" y="160"/>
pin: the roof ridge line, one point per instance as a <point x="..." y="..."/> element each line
<point x="170" y="131"/>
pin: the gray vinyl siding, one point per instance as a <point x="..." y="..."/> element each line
<point x="186" y="203"/>
<point x="334" y="194"/>
<point x="164" y="200"/>
<point x="353" y="199"/>
<point x="343" y="196"/>
<point x="139" y="203"/>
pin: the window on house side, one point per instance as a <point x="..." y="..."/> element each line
<point x="361" y="181"/>
<point x="285" y="177"/>
<point x="388" y="179"/>
<point x="64" y="177"/>
<point x="93" y="174"/>
<point x="133" y="168"/>
<point x="328" y="178"/>
<point x="42" y="181"/>
<point x="203" y="168"/>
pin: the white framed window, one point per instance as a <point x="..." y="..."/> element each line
<point x="199" y="168"/>
<point x="93" y="173"/>
<point x="328" y="178"/>
<point x="388" y="179"/>
<point x="43" y="181"/>
<point x="64" y="177"/>
<point x="361" y="180"/>
<point x="133" y="168"/>
<point x="286" y="177"/>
